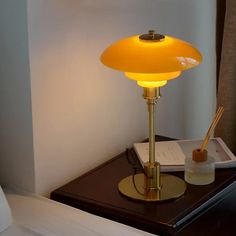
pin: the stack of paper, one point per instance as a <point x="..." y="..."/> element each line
<point x="171" y="154"/>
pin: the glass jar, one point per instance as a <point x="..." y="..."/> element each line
<point x="200" y="172"/>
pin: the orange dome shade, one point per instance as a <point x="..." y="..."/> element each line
<point x="135" y="55"/>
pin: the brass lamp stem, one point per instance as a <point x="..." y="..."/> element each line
<point x="151" y="185"/>
<point x="151" y="110"/>
<point x="152" y="168"/>
<point x="151" y="94"/>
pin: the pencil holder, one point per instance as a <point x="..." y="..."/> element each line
<point x="200" y="169"/>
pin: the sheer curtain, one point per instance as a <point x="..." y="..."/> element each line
<point x="226" y="96"/>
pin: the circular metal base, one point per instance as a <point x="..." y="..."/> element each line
<point x="172" y="187"/>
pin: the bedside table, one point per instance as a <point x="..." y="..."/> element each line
<point x="212" y="206"/>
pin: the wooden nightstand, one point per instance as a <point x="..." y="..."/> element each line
<point x="203" y="210"/>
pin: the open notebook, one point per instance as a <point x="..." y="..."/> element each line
<point x="171" y="154"/>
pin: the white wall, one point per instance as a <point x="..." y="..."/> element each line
<point x="84" y="113"/>
<point x="16" y="138"/>
<point x="188" y="103"/>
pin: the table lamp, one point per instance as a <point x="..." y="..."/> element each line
<point x="152" y="60"/>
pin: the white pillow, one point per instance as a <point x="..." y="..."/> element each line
<point x="5" y="212"/>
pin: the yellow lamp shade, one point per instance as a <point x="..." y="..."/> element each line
<point x="151" y="59"/>
<point x="146" y="56"/>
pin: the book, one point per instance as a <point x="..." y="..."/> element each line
<point x="171" y="154"/>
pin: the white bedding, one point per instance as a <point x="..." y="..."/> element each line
<point x="38" y="216"/>
<point x="5" y="212"/>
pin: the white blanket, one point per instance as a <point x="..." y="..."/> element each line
<point x="5" y="212"/>
<point x="38" y="216"/>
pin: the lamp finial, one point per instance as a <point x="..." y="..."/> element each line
<point x="151" y="36"/>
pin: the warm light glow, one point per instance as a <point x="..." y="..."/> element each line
<point x="148" y="84"/>
<point x="152" y="80"/>
<point x="152" y="77"/>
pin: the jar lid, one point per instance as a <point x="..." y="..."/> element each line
<point x="199" y="156"/>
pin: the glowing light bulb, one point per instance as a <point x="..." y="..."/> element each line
<point x="152" y="84"/>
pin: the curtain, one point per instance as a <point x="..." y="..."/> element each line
<point x="226" y="96"/>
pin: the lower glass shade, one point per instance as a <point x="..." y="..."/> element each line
<point x="152" y="77"/>
<point x="154" y="84"/>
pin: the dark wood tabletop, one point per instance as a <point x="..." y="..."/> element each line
<point x="203" y="210"/>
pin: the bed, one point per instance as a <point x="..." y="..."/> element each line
<point x="33" y="215"/>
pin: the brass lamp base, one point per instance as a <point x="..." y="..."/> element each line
<point x="172" y="187"/>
